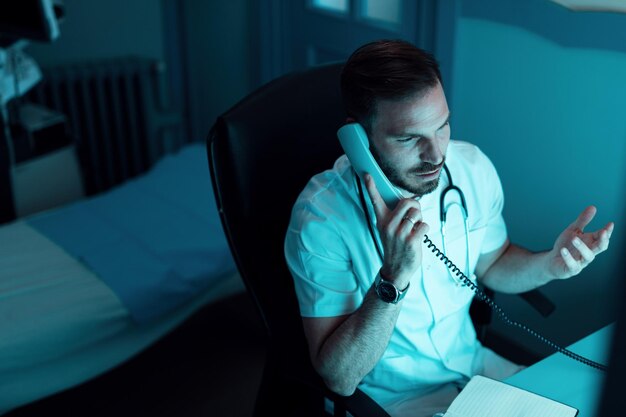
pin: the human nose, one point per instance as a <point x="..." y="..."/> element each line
<point x="430" y="151"/>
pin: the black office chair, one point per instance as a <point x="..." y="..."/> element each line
<point x="261" y="153"/>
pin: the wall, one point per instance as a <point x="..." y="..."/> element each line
<point x="101" y="29"/>
<point x="212" y="39"/>
<point x="551" y="117"/>
<point x="219" y="64"/>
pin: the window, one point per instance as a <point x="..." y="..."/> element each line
<point x="340" y="6"/>
<point x="387" y="11"/>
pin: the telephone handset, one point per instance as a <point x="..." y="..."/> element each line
<point x="355" y="144"/>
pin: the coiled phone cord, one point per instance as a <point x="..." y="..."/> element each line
<point x="480" y="293"/>
<point x="495" y="307"/>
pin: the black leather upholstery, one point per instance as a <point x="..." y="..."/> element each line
<point x="261" y="154"/>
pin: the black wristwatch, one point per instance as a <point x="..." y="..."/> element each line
<point x="388" y="292"/>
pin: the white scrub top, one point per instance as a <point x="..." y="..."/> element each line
<point x="333" y="260"/>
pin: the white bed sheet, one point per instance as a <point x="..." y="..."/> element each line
<point x="61" y="326"/>
<point x="65" y="319"/>
<point x="156" y="240"/>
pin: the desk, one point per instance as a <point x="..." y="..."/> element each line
<point x="563" y="379"/>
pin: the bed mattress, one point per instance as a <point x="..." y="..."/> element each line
<point x="62" y="326"/>
<point x="87" y="286"/>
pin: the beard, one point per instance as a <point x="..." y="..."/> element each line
<point x="417" y="188"/>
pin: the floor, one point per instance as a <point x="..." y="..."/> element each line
<point x="210" y="366"/>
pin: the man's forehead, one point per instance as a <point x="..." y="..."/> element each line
<point x="425" y="111"/>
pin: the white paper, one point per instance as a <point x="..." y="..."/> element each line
<point x="485" y="397"/>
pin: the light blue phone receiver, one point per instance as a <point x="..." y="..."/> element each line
<point x="355" y="144"/>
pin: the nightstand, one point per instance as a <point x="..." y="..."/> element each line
<point x="45" y="172"/>
<point x="46" y="181"/>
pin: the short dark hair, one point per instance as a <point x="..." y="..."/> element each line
<point x="385" y="69"/>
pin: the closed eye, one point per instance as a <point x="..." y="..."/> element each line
<point x="410" y="138"/>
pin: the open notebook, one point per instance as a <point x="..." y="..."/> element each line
<point x="486" y="397"/>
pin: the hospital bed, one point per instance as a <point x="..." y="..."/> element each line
<point x="86" y="286"/>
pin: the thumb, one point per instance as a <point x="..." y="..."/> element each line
<point x="584" y="218"/>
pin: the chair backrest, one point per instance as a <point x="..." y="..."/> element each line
<point x="261" y="153"/>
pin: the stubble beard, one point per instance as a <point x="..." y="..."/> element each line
<point x="417" y="189"/>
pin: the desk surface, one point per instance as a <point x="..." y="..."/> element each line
<point x="563" y="379"/>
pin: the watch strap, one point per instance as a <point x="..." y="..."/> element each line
<point x="400" y="293"/>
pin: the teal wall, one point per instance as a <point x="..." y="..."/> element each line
<point x="102" y="29"/>
<point x="215" y="41"/>
<point x="220" y="67"/>
<point x="553" y="120"/>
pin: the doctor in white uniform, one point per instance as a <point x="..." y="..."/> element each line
<point x="380" y="311"/>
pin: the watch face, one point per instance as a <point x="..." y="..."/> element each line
<point x="387" y="292"/>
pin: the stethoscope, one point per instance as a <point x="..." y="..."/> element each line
<point x="443" y="211"/>
<point x="443" y="214"/>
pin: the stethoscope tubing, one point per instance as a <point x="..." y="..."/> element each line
<point x="443" y="211"/>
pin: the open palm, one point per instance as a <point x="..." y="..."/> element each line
<point x="574" y="249"/>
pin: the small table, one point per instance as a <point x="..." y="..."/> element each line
<point x="46" y="181"/>
<point x="566" y="380"/>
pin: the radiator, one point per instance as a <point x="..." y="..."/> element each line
<point x="117" y="114"/>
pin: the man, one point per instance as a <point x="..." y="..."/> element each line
<point x="413" y="346"/>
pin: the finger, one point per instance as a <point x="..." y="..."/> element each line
<point x="603" y="236"/>
<point x="586" y="254"/>
<point x="406" y="215"/>
<point x="584" y="218"/>
<point x="419" y="230"/>
<point x="380" y="208"/>
<point x="410" y="220"/>
<point x="569" y="260"/>
<point x="414" y="213"/>
<point x="603" y="240"/>
<point x="608" y="228"/>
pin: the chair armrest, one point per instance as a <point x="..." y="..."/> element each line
<point x="539" y="302"/>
